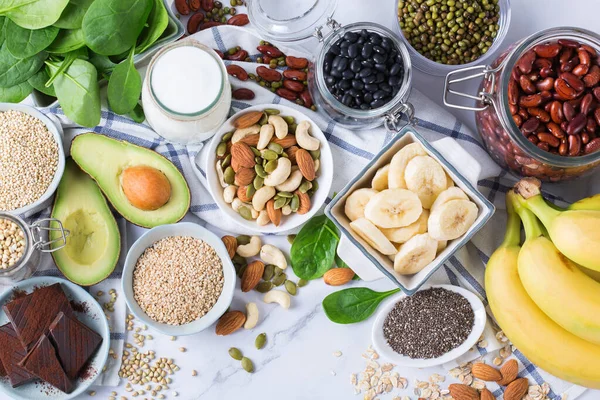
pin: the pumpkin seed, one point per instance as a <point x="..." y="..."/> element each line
<point x="305" y="186"/>
<point x="245" y="213"/>
<point x="290" y="239"/>
<point x="271" y="166"/>
<point x="292" y="128"/>
<point x="277" y="271"/>
<point x="279" y="280"/>
<point x="255" y="151"/>
<point x="264" y="119"/>
<point x="242" y="240"/>
<point x="221" y="149"/>
<point x="302" y="282"/>
<point x="226" y="137"/>
<point x="247" y="365"/>
<point x="279" y="203"/>
<point x="290" y="287"/>
<point x="238" y="266"/>
<point x="269" y="155"/>
<point x="226" y="161"/>
<point x="287" y="201"/>
<point x="264" y="162"/>
<point x="314" y="188"/>
<point x="315" y="154"/>
<point x="235" y="353"/>
<point x="286" y="195"/>
<point x="272" y="111"/>
<point x="268" y="272"/>
<point x="260" y="171"/>
<point x="264" y="287"/>
<point x="260" y="341"/>
<point x="295" y="203"/>
<point x="258" y="182"/>
<point x="241" y="271"/>
<point x="250" y="190"/>
<point x="237" y="259"/>
<point x="284" y="155"/>
<point x="276" y="147"/>
<point x="229" y="175"/>
<point x="289" y="119"/>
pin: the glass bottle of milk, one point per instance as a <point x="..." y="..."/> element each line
<point x="186" y="93"/>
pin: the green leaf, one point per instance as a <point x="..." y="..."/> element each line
<point x="137" y="115"/>
<point x="38" y="81"/>
<point x="72" y="15"/>
<point x="353" y="305"/>
<point x="155" y="26"/>
<point x="103" y="64"/>
<point x="16" y="70"/>
<point x="111" y="27"/>
<point x="124" y="86"/>
<point x="78" y="92"/>
<point x="3" y="21"/>
<point x="23" y="43"/>
<point x="15" y="94"/>
<point x="33" y="14"/>
<point x="66" y="41"/>
<point x="313" y="250"/>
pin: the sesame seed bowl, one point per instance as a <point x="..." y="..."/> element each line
<point x="164" y="304"/>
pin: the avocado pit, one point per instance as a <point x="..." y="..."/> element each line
<point x="145" y="187"/>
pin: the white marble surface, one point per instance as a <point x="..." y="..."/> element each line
<point x="297" y="362"/>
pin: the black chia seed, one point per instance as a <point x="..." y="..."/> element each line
<point x="429" y="323"/>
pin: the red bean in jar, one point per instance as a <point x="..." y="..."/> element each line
<point x="538" y="111"/>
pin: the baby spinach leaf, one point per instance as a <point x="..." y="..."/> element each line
<point x="155" y="26"/>
<point x="38" y="81"/>
<point x="66" y="41"/>
<point x="137" y="114"/>
<point x="313" y="250"/>
<point x="124" y="86"/>
<point x="72" y="15"/>
<point x="103" y="64"/>
<point x="112" y="26"/>
<point x="33" y="14"/>
<point x="23" y="43"/>
<point x="15" y="94"/>
<point x="16" y="70"/>
<point x="353" y="305"/>
<point x="78" y="92"/>
<point x="3" y="21"/>
<point x="64" y="64"/>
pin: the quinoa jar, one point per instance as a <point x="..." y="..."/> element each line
<point x="537" y="109"/>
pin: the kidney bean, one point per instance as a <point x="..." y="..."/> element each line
<point x="513" y="108"/>
<point x="539" y="113"/>
<point x="546" y="72"/>
<point x="544" y="146"/>
<point x="239" y="20"/>
<point x="296" y="62"/>
<point x="568" y="43"/>
<point x="564" y="125"/>
<point x="194" y="22"/>
<point x="533" y="139"/>
<point x="573" y="81"/>
<point x="574" y="145"/>
<point x="243" y="94"/>
<point x="555" y="130"/>
<point x="597" y="115"/>
<point x="556" y="112"/>
<point x="208" y="5"/>
<point x="563" y="90"/>
<point x="545" y="84"/>
<point x="294" y="86"/>
<point x="547" y="50"/>
<point x="546" y="96"/>
<point x="581" y="70"/>
<point x="589" y="49"/>
<point x="208" y="25"/>
<point x="294" y="75"/>
<point x="526" y="84"/>
<point x="237" y="72"/>
<point x="268" y="74"/>
<point x="577" y="124"/>
<point x="569" y="65"/>
<point x="530" y="125"/>
<point x="518" y="120"/>
<point x="523" y="113"/>
<point x="592" y="146"/>
<point x="525" y="64"/>
<point x="287" y="94"/>
<point x="515" y="74"/>
<point x="585" y="138"/>
<point x="240" y="55"/>
<point x="182" y="7"/>
<point x="586" y="104"/>
<point x="565" y="55"/>
<point x="194" y="5"/>
<point x="306" y="98"/>
<point x="593" y="77"/>
<point x="584" y="57"/>
<point x="563" y="149"/>
<point x="549" y="138"/>
<point x="513" y="92"/>
<point x="591" y="125"/>
<point x="532" y="100"/>
<point x="270" y="51"/>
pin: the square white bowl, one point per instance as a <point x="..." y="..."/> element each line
<point x="367" y="262"/>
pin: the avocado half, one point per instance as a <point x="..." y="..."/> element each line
<point x="94" y="241"/>
<point x="104" y="159"/>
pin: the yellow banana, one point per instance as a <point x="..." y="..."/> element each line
<point x="576" y="233"/>
<point x="595" y="275"/>
<point x="556" y="284"/>
<point x="589" y="203"/>
<point x="539" y="338"/>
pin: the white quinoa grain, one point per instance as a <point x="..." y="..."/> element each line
<point x="12" y="243"/>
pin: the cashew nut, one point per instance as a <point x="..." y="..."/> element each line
<point x="229" y="193"/>
<point x="253" y="213"/>
<point x="279" y="297"/>
<point x="280" y="174"/>
<point x="281" y="127"/>
<point x="266" y="134"/>
<point x="263" y="218"/>
<point x="220" y="174"/>
<point x="272" y="255"/>
<point x="251" y="249"/>
<point x="251" y="316"/>
<point x="304" y="139"/>
<point x="242" y="133"/>
<point x="286" y="210"/>
<point x="292" y="183"/>
<point x="236" y="204"/>
<point x="261" y="197"/>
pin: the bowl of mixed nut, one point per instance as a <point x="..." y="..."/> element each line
<point x="269" y="168"/>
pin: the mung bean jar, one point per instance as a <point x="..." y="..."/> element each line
<point x="537" y="106"/>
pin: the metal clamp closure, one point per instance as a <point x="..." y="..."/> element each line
<point x="46" y="246"/>
<point x="331" y="23"/>
<point x="392" y="122"/>
<point x="479" y="71"/>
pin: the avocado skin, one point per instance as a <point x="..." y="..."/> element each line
<point x="89" y="151"/>
<point x="77" y="198"/>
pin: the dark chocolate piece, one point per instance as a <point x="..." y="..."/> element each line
<point x="32" y="315"/>
<point x="2" y="369"/>
<point x="75" y="343"/>
<point x="11" y="353"/>
<point x="43" y="362"/>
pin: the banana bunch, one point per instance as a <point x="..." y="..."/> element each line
<point x="411" y="210"/>
<point x="546" y="303"/>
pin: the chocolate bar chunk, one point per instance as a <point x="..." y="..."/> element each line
<point x="43" y="363"/>
<point x="75" y="343"/>
<point x="11" y="353"/>
<point x="2" y="369"/>
<point x="32" y="315"/>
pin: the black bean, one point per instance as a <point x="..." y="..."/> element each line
<point x="365" y="72"/>
<point x="364" y="33"/>
<point x="354" y="93"/>
<point x="379" y="58"/>
<point x="396" y="68"/>
<point x="372" y="87"/>
<point x="330" y="80"/>
<point x="347" y="99"/>
<point x="356" y="84"/>
<point x="344" y="44"/>
<point x="367" y="64"/>
<point x="351" y="37"/>
<point x="364" y="106"/>
<point x="379" y="49"/>
<point x="380" y="77"/>
<point x="369" y="79"/>
<point x="375" y="38"/>
<point x="367" y="50"/>
<point x="347" y="74"/>
<point x="368" y="97"/>
<point x="379" y="94"/>
<point x="385" y="87"/>
<point x="334" y="49"/>
<point x="355" y="66"/>
<point x="394" y="81"/>
<point x="377" y="103"/>
<point x="345" y="84"/>
<point x="342" y="63"/>
<point x="336" y="73"/>
<point x="344" y="52"/>
<point x="353" y="50"/>
<point x="381" y="67"/>
<point x="386" y="43"/>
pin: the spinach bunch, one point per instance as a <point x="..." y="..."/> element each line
<point x="353" y="305"/>
<point x="64" y="48"/>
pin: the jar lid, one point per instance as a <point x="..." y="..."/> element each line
<point x="289" y="20"/>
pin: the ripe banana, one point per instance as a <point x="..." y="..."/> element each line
<point x="449" y="180"/>
<point x="356" y="202"/>
<point x="539" y="338"/>
<point x="576" y="233"/>
<point x="425" y="177"/>
<point x="373" y="236"/>
<point x="380" y="180"/>
<point x="557" y="286"/>
<point x="452" y="219"/>
<point x="402" y="235"/>
<point x="589" y="203"/>
<point x="399" y="162"/>
<point x="415" y="254"/>
<point x="452" y="193"/>
<point x="393" y="208"/>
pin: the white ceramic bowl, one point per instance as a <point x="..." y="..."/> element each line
<point x="93" y="317"/>
<point x="57" y="132"/>
<point x="179" y="229"/>
<point x="288" y="222"/>
<point x="385" y="350"/>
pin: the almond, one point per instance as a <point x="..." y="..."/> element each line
<point x="230" y="322"/>
<point x="247" y="119"/>
<point x="509" y="372"/>
<point x="485" y="372"/>
<point x="235" y="165"/>
<point x="463" y="392"/>
<point x="291" y="152"/>
<point x="516" y="389"/>
<point x="306" y="164"/>
<point x="252" y="275"/>
<point x="244" y="177"/>
<point x="230" y="244"/>
<point x="274" y="215"/>
<point x="242" y="154"/>
<point x="338" y="276"/>
<point x="286" y="142"/>
<point x="487" y="395"/>
<point x="251" y="140"/>
<point x="304" y="202"/>
<point x="241" y="194"/>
